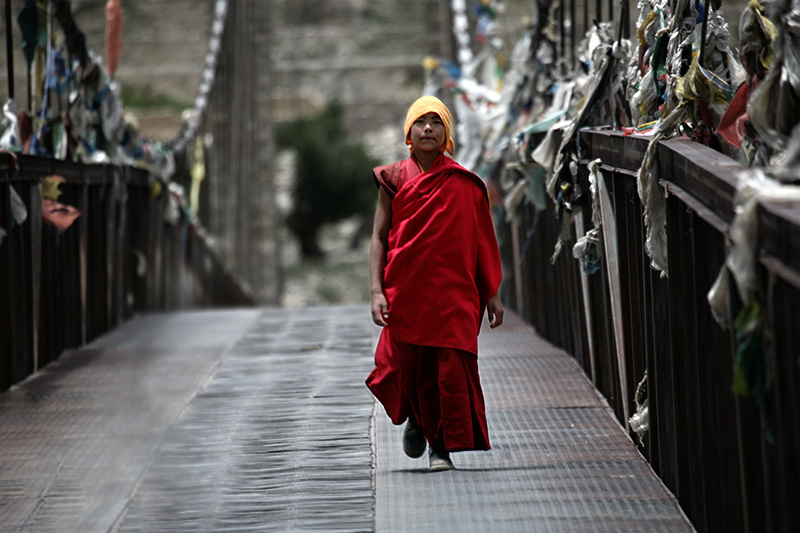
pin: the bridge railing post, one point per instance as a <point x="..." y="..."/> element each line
<point x="731" y="462"/>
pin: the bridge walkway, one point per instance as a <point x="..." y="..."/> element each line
<point x="258" y="420"/>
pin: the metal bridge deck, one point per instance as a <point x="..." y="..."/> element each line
<point x="258" y="420"/>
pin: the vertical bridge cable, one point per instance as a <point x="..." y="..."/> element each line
<point x="562" y="37"/>
<point x="623" y="32"/>
<point x="9" y="51"/>
<point x="573" y="30"/>
<point x="704" y="29"/>
<point x="191" y="124"/>
<point x="585" y="27"/>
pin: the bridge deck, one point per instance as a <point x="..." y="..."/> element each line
<point x="258" y="420"/>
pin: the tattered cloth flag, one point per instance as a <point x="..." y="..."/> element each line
<point x="702" y="85"/>
<point x="757" y="35"/>
<point x="773" y="107"/>
<point x="59" y="215"/>
<point x="113" y="35"/>
<point x="732" y="126"/>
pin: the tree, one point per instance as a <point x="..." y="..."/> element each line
<point x="332" y="178"/>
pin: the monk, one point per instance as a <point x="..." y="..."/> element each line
<point x="434" y="271"/>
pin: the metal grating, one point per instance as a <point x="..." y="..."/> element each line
<point x="259" y="421"/>
<point x="279" y="439"/>
<point x="76" y="437"/>
<point x="559" y="460"/>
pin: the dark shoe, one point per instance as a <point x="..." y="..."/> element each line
<point x="440" y="460"/>
<point x="413" y="440"/>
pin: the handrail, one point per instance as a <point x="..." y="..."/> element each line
<point x="732" y="463"/>
<point x="132" y="249"/>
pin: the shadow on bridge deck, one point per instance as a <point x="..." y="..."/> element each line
<point x="258" y="420"/>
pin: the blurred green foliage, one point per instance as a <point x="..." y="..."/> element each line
<point x="332" y="180"/>
<point x="137" y="98"/>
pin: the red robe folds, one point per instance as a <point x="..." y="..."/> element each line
<point x="442" y="266"/>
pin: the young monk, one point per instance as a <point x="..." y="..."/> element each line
<point x="434" y="269"/>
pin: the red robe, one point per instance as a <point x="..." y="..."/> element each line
<point x="442" y="266"/>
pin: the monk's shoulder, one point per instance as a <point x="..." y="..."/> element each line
<point x="388" y="177"/>
<point x="471" y="180"/>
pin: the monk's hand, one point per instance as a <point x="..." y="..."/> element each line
<point x="380" y="309"/>
<point x="495" y="309"/>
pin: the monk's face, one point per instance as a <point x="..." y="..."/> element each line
<point x="427" y="134"/>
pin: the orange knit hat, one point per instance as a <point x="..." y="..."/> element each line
<point x="428" y="104"/>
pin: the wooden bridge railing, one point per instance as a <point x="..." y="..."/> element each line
<point x="732" y="465"/>
<point x="132" y="249"/>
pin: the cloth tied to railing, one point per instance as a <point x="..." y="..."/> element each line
<point x="654" y="206"/>
<point x="81" y="115"/>
<point x="113" y="35"/>
<point x="754" y="365"/>
<point x="773" y="107"/>
<point x="640" y="421"/>
<point x="588" y="249"/>
<point x="600" y="108"/>
<point x="11" y="139"/>
<point x="53" y="212"/>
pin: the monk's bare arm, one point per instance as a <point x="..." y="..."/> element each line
<point x="377" y="257"/>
